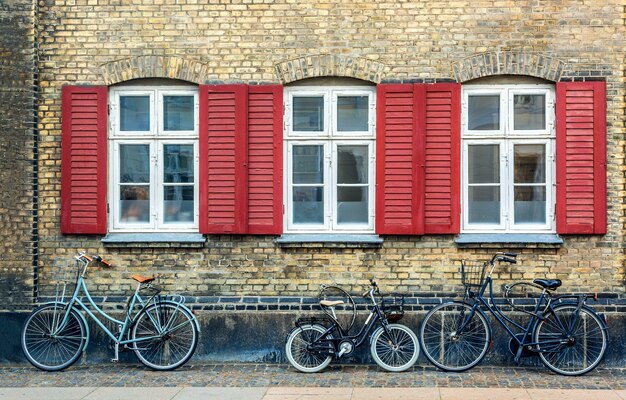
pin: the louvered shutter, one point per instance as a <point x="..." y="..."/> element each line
<point x="223" y="159"/>
<point x="399" y="172"/>
<point x="581" y="157"/>
<point x="265" y="159"/>
<point x="439" y="120"/>
<point x="84" y="160"/>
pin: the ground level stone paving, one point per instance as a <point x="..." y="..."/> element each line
<point x="271" y="375"/>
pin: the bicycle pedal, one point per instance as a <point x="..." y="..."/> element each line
<point x="115" y="360"/>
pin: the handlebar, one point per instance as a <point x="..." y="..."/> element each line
<point x="504" y="257"/>
<point x="88" y="259"/>
<point x="373" y="286"/>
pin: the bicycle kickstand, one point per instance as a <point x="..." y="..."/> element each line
<point x="117" y="353"/>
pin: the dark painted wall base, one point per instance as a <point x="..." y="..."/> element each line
<point x="260" y="337"/>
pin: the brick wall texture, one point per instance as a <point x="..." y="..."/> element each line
<point x="17" y="67"/>
<point x="282" y="41"/>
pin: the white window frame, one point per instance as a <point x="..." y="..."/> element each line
<point x="330" y="138"/>
<point x="506" y="137"/>
<point x="156" y="138"/>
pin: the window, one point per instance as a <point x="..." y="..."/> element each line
<point x="508" y="158"/>
<point x="153" y="138"/>
<point x="329" y="145"/>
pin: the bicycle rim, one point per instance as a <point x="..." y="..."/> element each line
<point x="165" y="336"/>
<point x="47" y="344"/>
<point x="395" y="351"/>
<point x="299" y="356"/>
<point x="575" y="353"/>
<point x="448" y="347"/>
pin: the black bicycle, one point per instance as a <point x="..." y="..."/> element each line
<point x="313" y="343"/>
<point x="569" y="337"/>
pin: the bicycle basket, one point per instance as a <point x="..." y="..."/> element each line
<point x="63" y="282"/>
<point x="393" y="307"/>
<point x="473" y="273"/>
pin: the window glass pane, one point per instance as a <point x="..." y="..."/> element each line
<point x="529" y="112"/>
<point x="352" y="164"/>
<point x="484" y="205"/>
<point x="134" y="163"/>
<point x="352" y="113"/>
<point x="135" y="113"/>
<point x="178" y="163"/>
<point x="483" y="113"/>
<point x="308" y="114"/>
<point x="178" y="203"/>
<point x="135" y="203"/>
<point x="484" y="163"/>
<point x="352" y="205"/>
<point x="308" y="164"/>
<point x="178" y="113"/>
<point x="530" y="163"/>
<point x="308" y="205"/>
<point x="530" y="205"/>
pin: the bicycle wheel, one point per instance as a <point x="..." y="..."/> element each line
<point x="164" y="336"/>
<point x="571" y="342"/>
<point x="395" y="351"/>
<point x="47" y="344"/>
<point x="303" y="359"/>
<point x="449" y="348"/>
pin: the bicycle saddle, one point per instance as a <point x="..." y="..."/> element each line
<point x="330" y="303"/>
<point x="143" y="279"/>
<point x="548" y="283"/>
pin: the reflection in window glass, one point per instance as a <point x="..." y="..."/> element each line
<point x="178" y="203"/>
<point x="352" y="113"/>
<point x="178" y="163"/>
<point x="530" y="189"/>
<point x="484" y="163"/>
<point x="135" y="203"/>
<point x="483" y="113"/>
<point x="529" y="112"/>
<point x="178" y="113"/>
<point x="308" y="164"/>
<point x="134" y="113"/>
<point x="135" y="163"/>
<point x="308" y="114"/>
<point x="352" y="184"/>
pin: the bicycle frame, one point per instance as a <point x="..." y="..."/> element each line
<point x="123" y="326"/>
<point x="525" y="331"/>
<point x="375" y="316"/>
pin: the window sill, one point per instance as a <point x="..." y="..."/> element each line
<point x="154" y="240"/>
<point x="329" y="240"/>
<point x="498" y="240"/>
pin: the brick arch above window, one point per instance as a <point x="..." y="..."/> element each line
<point x="154" y="67"/>
<point x="509" y="63"/>
<point x="330" y="65"/>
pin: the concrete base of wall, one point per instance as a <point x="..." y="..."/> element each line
<point x="260" y="337"/>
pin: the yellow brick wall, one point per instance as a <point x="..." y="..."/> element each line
<point x="252" y="41"/>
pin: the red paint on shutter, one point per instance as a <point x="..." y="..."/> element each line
<point x="84" y="160"/>
<point x="440" y="120"/>
<point x="223" y="159"/>
<point x="581" y="157"/>
<point x="398" y="169"/>
<point x="265" y="159"/>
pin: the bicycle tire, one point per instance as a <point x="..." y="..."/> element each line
<point x="585" y="345"/>
<point x="448" y="349"/>
<point x="164" y="336"/>
<point x="299" y="356"/>
<point x="395" y="351"/>
<point x="51" y="351"/>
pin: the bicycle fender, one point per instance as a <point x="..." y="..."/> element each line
<point x="80" y="314"/>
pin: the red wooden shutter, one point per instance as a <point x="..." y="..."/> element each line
<point x="440" y="122"/>
<point x="399" y="173"/>
<point x="265" y="159"/>
<point x="84" y="160"/>
<point x="223" y="159"/>
<point x="581" y="157"/>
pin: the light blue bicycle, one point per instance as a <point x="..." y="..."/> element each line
<point x="161" y="330"/>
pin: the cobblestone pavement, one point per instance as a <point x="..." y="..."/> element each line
<point x="282" y="375"/>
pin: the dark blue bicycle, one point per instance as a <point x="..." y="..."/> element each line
<point x="569" y="337"/>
